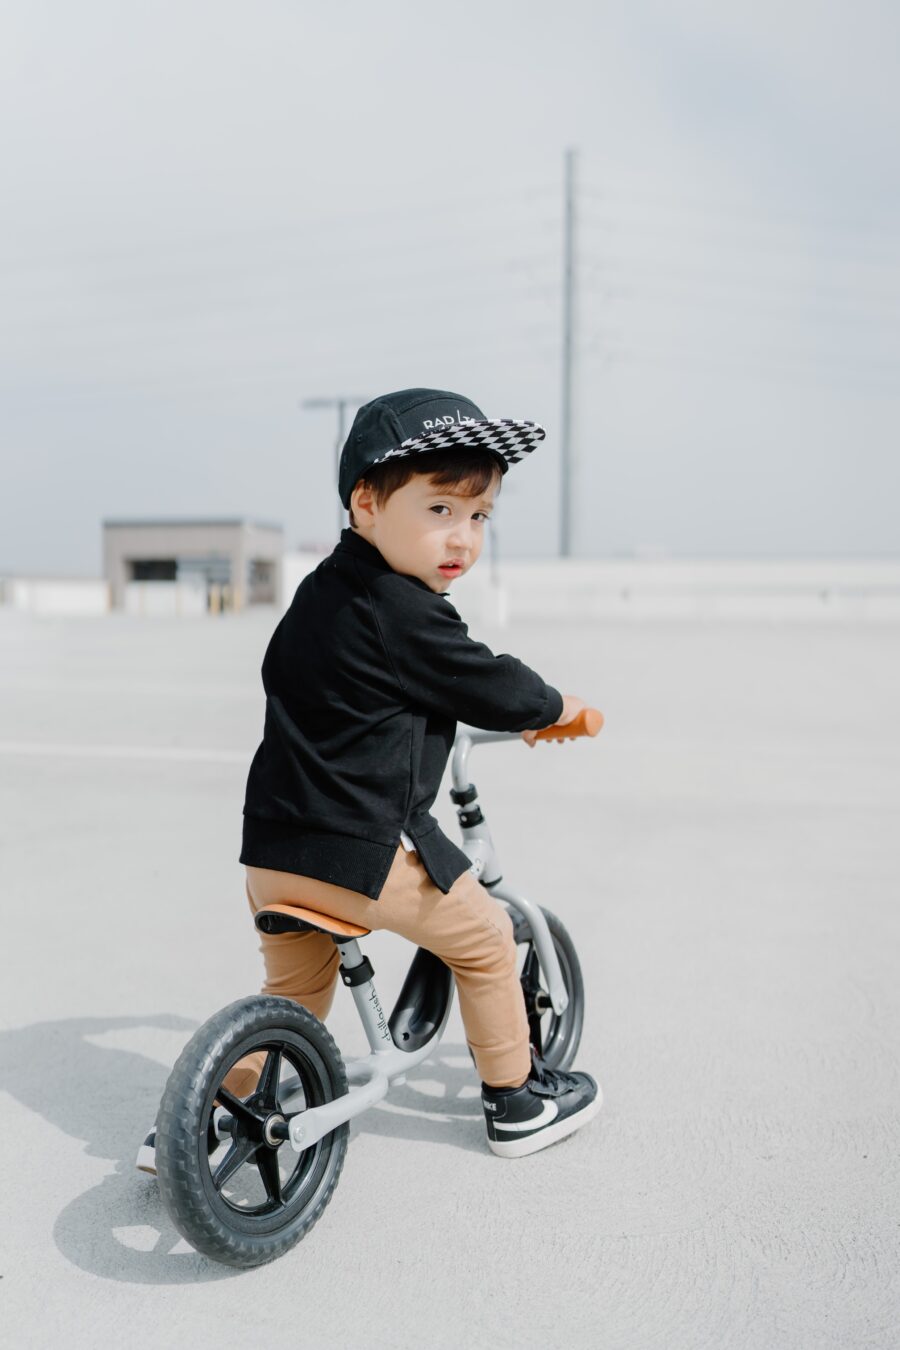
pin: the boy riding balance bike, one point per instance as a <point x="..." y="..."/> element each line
<point x="368" y="676"/>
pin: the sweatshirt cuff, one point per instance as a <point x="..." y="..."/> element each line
<point x="552" y="708"/>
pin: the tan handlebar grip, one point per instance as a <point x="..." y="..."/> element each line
<point x="587" y="723"/>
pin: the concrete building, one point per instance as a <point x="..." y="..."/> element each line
<point x="190" y="566"/>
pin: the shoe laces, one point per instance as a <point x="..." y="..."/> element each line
<point x="553" y="1081"/>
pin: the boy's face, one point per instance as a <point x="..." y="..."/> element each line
<point x="420" y="528"/>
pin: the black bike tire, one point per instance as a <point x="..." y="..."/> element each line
<point x="562" y="1051"/>
<point x="182" y="1184"/>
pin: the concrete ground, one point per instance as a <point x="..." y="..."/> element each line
<point x="726" y="855"/>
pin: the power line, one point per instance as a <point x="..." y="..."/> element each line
<point x="874" y="377"/>
<point x="311" y="230"/>
<point x="265" y="262"/>
<point x="746" y="210"/>
<point x="668" y="274"/>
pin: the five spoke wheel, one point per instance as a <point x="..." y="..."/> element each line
<point x="232" y="1182"/>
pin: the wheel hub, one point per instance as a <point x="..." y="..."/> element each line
<point x="274" y="1131"/>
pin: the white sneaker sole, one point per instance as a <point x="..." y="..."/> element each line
<point x="550" y="1134"/>
<point x="146" y="1160"/>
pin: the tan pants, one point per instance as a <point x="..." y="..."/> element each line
<point x="466" y="928"/>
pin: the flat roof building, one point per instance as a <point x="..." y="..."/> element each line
<point x="221" y="564"/>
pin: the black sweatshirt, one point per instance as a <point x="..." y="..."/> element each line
<point x="365" y="677"/>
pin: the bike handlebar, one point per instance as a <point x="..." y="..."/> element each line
<point x="587" y="723"/>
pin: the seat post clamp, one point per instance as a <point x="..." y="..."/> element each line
<point x="353" y="975"/>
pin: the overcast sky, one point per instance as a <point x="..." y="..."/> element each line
<point x="212" y="211"/>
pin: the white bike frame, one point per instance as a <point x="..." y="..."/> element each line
<point x="371" y="1076"/>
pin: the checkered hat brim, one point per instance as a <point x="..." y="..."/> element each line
<point x="509" y="437"/>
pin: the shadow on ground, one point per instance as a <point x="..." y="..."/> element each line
<point x="79" y="1075"/>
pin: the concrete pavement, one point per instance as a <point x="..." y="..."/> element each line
<point x="726" y="856"/>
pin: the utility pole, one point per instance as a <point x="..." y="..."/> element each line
<point x="567" y="467"/>
<point x="342" y="402"/>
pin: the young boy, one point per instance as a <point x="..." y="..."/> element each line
<point x="365" y="677"/>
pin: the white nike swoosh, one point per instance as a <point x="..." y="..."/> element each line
<point x="549" y="1111"/>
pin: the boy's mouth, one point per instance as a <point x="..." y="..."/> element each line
<point x="450" y="569"/>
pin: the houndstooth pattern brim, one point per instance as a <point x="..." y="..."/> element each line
<point x="510" y="437"/>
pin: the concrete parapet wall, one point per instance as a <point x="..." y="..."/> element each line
<point x="586" y="589"/>
<point x="579" y="589"/>
<point x="56" y="595"/>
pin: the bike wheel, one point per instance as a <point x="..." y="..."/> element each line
<point x="555" y="1036"/>
<point x="250" y="1197"/>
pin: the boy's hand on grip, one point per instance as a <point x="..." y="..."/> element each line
<point x="572" y="706"/>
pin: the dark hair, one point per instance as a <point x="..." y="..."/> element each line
<point x="469" y="472"/>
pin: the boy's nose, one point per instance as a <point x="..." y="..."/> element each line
<point x="462" y="539"/>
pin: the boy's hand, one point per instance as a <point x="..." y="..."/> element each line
<point x="572" y="706"/>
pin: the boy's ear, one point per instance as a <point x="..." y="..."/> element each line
<point x="362" y="502"/>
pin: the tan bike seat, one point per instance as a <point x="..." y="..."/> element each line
<point x="299" y="919"/>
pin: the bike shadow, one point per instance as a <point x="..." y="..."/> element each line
<point x="440" y="1102"/>
<point x="98" y="1081"/>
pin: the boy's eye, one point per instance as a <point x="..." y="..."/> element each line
<point x="441" y="506"/>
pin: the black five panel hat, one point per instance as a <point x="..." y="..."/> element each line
<point x="413" y="421"/>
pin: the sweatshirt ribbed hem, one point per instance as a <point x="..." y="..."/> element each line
<point x="345" y="860"/>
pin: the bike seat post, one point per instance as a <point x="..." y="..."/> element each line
<point x="357" y="973"/>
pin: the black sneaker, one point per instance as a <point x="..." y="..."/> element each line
<point x="547" y="1107"/>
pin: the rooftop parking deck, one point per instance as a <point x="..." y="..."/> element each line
<point x="726" y="855"/>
